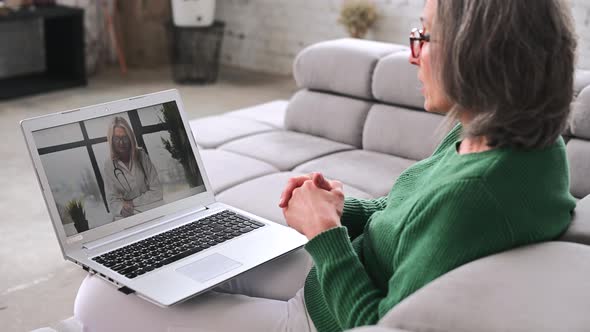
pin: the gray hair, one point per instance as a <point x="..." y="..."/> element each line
<point x="510" y="63"/>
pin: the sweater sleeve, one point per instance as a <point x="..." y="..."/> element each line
<point x="451" y="228"/>
<point x="357" y="212"/>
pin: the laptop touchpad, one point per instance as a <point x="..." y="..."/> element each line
<point x="209" y="267"/>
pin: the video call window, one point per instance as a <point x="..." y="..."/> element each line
<point x="109" y="168"/>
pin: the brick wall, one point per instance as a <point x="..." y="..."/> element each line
<point x="266" y="35"/>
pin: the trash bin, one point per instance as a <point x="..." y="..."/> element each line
<point x="195" y="52"/>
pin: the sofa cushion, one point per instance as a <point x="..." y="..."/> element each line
<point x="580" y="117"/>
<point x="542" y="287"/>
<point x="210" y="132"/>
<point x="284" y="149"/>
<point x="338" y="118"/>
<point x="226" y="169"/>
<point x="402" y="132"/>
<point x="578" y="154"/>
<point x="579" y="230"/>
<point x="395" y="81"/>
<point x="271" y="113"/>
<point x="329" y="66"/>
<point x="371" y="172"/>
<point x="261" y="195"/>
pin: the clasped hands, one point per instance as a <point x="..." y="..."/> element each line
<point x="128" y="208"/>
<point x="311" y="204"/>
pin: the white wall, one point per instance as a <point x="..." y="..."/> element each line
<point x="266" y="35"/>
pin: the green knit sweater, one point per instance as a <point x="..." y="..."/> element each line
<point x="441" y="213"/>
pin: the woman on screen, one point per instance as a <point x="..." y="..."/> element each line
<point x="131" y="180"/>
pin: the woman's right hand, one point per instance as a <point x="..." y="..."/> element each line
<point x="298" y="181"/>
<point x="128" y="209"/>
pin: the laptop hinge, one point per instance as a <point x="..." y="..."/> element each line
<point x="102" y="242"/>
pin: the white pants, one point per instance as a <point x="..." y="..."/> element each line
<point x="268" y="298"/>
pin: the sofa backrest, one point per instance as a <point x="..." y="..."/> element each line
<point x="349" y="88"/>
<point x="336" y="117"/>
<point x="397" y="123"/>
<point x="578" y="146"/>
<point x="341" y="66"/>
<point x="402" y="132"/>
<point x="581" y="81"/>
<point x="330" y="104"/>
<point x="395" y="81"/>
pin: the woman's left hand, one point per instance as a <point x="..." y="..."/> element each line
<point x="313" y="210"/>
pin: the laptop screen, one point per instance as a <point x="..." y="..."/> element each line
<point x="109" y="168"/>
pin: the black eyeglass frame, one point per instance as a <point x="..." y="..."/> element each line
<point x="418" y="36"/>
<point x="122" y="139"/>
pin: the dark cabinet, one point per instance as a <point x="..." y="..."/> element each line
<point x="63" y="42"/>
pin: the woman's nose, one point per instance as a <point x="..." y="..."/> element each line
<point x="414" y="60"/>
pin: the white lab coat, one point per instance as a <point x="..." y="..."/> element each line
<point x="132" y="184"/>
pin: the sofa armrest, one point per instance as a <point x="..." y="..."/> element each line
<point x="579" y="230"/>
<point x="542" y="287"/>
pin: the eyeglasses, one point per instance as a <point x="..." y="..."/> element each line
<point x="122" y="139"/>
<point x="417" y="40"/>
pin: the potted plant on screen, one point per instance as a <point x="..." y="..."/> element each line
<point x="358" y="16"/>
<point x="178" y="145"/>
<point x="75" y="208"/>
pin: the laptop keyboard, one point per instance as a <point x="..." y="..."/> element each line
<point x="154" y="252"/>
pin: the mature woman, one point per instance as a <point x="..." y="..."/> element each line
<point x="499" y="179"/>
<point x="130" y="177"/>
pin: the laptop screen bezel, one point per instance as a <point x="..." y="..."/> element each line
<point x="184" y="205"/>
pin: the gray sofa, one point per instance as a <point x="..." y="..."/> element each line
<point x="358" y="118"/>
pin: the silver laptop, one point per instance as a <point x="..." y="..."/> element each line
<point x="130" y="201"/>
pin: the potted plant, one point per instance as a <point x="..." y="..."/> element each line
<point x="75" y="208"/>
<point x="358" y="16"/>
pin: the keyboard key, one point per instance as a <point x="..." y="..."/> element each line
<point x="245" y="229"/>
<point x="257" y="223"/>
<point x="128" y="269"/>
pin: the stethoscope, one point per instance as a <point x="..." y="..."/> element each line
<point x="119" y="172"/>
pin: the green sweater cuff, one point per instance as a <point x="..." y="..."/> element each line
<point x="331" y="244"/>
